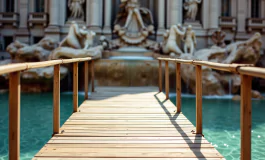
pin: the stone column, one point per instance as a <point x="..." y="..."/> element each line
<point x="161" y="16"/>
<point x="2" y="9"/>
<point x="53" y="29"/>
<point x="107" y="17"/>
<point x="175" y="9"/>
<point x="214" y="14"/>
<point x="95" y="15"/>
<point x="22" y="33"/>
<point x="241" y="19"/>
<point x="205" y="13"/>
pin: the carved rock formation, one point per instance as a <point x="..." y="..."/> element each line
<point x="217" y="82"/>
<point x="35" y="80"/>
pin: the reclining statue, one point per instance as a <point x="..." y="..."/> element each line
<point x="77" y="44"/>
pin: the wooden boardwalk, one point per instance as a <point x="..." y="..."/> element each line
<point x="127" y="123"/>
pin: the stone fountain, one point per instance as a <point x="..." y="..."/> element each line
<point x="130" y="59"/>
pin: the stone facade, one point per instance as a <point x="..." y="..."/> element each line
<point x="30" y="20"/>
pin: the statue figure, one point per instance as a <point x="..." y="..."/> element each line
<point x="172" y="40"/>
<point x="132" y="8"/>
<point x="192" y="9"/>
<point x="77" y="44"/>
<point x="133" y="23"/>
<point x="76" y="8"/>
<point x="218" y="37"/>
<point x="190" y="41"/>
<point x="78" y="38"/>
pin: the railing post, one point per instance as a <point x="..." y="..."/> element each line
<point x="92" y="76"/>
<point x="56" y="100"/>
<point x="75" y="86"/>
<point x="178" y="91"/>
<point x="198" y="99"/>
<point x="246" y="118"/>
<point x="167" y="79"/>
<point x="160" y="76"/>
<point x="86" y="79"/>
<point x="14" y="115"/>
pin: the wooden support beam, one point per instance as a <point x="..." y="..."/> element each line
<point x="198" y="99"/>
<point x="92" y="76"/>
<point x="56" y="99"/>
<point x="14" y="115"/>
<point x="167" y="79"/>
<point x="160" y="76"/>
<point x="75" y="86"/>
<point x="246" y="117"/>
<point x="86" y="79"/>
<point x="178" y="89"/>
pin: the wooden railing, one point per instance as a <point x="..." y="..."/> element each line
<point x="14" y="94"/>
<point x="246" y="72"/>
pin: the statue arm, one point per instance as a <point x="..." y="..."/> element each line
<point x="69" y="3"/>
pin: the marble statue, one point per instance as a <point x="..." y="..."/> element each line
<point x="192" y="9"/>
<point x="76" y="8"/>
<point x="218" y="38"/>
<point x="190" y="41"/>
<point x="77" y="44"/>
<point x="132" y="8"/>
<point x="172" y="38"/>
<point x="133" y="23"/>
<point x="78" y="38"/>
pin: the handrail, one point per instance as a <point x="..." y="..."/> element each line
<point x="14" y="94"/>
<point x="246" y="71"/>
<point x="33" y="65"/>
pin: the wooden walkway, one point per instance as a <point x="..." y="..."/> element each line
<point x="127" y="123"/>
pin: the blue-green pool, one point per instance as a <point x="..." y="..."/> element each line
<point x="36" y="121"/>
<point x="221" y="123"/>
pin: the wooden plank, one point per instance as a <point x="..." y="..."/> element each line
<point x="246" y="117"/>
<point x="178" y="90"/>
<point x="14" y="115"/>
<point x="131" y="145"/>
<point x="198" y="99"/>
<point x="167" y="79"/>
<point x="118" y="153"/>
<point x="47" y="158"/>
<point x="75" y="86"/>
<point x="86" y="79"/>
<point x="56" y="99"/>
<point x="160" y="76"/>
<point x="128" y="141"/>
<point x="150" y="138"/>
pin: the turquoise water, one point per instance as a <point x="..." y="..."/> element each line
<point x="221" y="123"/>
<point x="36" y="121"/>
